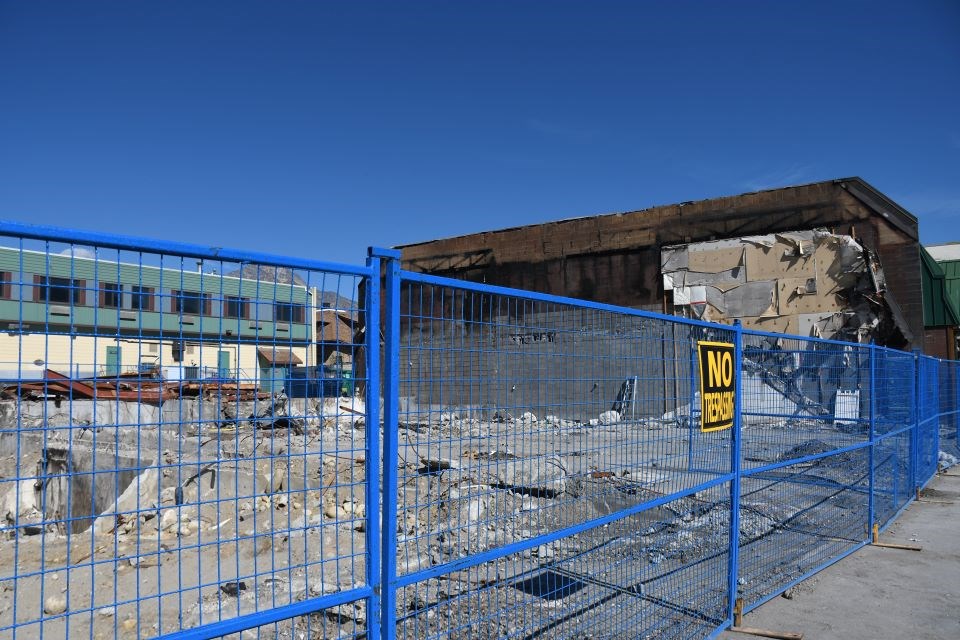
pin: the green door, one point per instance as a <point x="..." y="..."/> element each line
<point x="272" y="378"/>
<point x="223" y="364"/>
<point x="113" y="361"/>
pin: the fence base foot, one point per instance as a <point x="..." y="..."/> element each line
<point x="767" y="633"/>
<point x="875" y="541"/>
<point x="890" y="545"/>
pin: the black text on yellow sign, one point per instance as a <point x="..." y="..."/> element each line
<point x="717" y="389"/>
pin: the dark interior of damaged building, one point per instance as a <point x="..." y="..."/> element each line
<point x="832" y="259"/>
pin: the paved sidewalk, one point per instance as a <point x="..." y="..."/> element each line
<point x="879" y="593"/>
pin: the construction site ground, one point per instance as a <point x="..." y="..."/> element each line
<point x="879" y="592"/>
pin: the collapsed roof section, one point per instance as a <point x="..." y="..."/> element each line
<point x="809" y="283"/>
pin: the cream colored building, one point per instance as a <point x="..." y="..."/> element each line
<point x="83" y="317"/>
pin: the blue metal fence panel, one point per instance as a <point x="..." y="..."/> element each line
<point x="543" y="483"/>
<point x="151" y="488"/>
<point x="949" y="412"/>
<point x="806" y="430"/>
<point x="544" y="471"/>
<point x="895" y="420"/>
<point x="928" y="427"/>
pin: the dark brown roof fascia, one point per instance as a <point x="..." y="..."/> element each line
<point x="882" y="205"/>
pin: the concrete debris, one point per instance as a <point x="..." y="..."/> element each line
<point x="233" y="588"/>
<point x="543" y="478"/>
<point x="274" y="415"/>
<point x="492" y="454"/>
<point x="55" y="605"/>
<point x="351" y="612"/>
<point x="472" y="480"/>
<point x="561" y="423"/>
<point x="181" y="477"/>
<point x="21" y="507"/>
<point x="609" y="417"/>
<point x="434" y="465"/>
<point x="272" y="479"/>
<point x="946" y="460"/>
<point x="321" y="588"/>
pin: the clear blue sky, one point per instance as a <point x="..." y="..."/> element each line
<point x="316" y="129"/>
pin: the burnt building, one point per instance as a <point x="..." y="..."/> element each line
<point x="623" y="259"/>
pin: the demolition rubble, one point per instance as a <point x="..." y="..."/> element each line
<point x="220" y="500"/>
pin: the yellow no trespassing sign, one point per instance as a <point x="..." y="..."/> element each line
<point x="717" y="388"/>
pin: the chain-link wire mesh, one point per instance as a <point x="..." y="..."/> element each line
<point x="182" y="442"/>
<point x="552" y="477"/>
<point x="806" y="431"/>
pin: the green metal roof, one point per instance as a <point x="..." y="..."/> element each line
<point x="941" y="291"/>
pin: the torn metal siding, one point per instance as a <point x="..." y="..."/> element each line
<point x="811" y="283"/>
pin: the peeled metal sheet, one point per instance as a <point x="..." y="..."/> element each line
<point x="715" y="299"/>
<point x="752" y="299"/>
<point x="672" y="280"/>
<point x="673" y="259"/>
<point x="820" y="325"/>
<point x="698" y="295"/>
<point x="733" y="277"/>
<point x="796" y="237"/>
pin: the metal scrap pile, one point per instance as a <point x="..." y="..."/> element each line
<point x="143" y="388"/>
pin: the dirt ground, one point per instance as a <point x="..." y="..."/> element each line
<point x="882" y="593"/>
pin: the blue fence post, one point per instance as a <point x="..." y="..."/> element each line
<point x="693" y="396"/>
<point x="734" y="559"/>
<point x="915" y="432"/>
<point x="391" y="392"/>
<point x="372" y="397"/>
<point x="873" y="437"/>
<point x="936" y="425"/>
